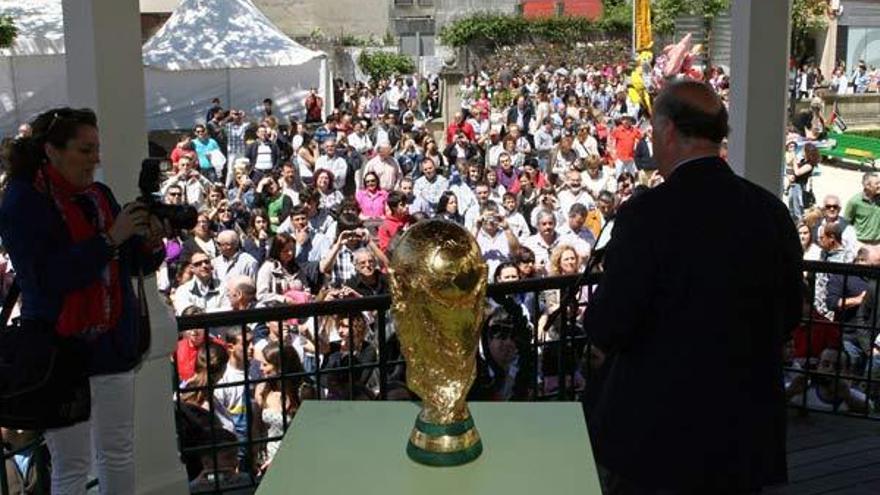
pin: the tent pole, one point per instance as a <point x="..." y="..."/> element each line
<point x="15" y="102"/>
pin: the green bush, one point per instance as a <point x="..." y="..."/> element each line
<point x="504" y="29"/>
<point x="382" y="65"/>
<point x="8" y="31"/>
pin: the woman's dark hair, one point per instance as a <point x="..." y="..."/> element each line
<point x="444" y="200"/>
<point x="276" y="355"/>
<point x="257" y="212"/>
<point x="524" y="254"/>
<point x="364" y="179"/>
<point x="501" y="267"/>
<point x="278" y="243"/>
<point x="348" y="204"/>
<point x="329" y="174"/>
<point x="55" y="127"/>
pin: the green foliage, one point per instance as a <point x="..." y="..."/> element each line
<point x="8" y="31"/>
<point x="352" y="40"/>
<point x="502" y="29"/>
<point x="616" y="16"/>
<point x="806" y="17"/>
<point x="381" y="65"/>
<point x="664" y="12"/>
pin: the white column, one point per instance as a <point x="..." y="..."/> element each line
<point x="105" y="72"/>
<point x="826" y="48"/>
<point x="759" y="85"/>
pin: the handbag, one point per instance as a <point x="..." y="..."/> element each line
<point x="43" y="377"/>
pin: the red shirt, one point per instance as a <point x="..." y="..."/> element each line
<point x="823" y="335"/>
<point x="625" y="141"/>
<point x="389" y="228"/>
<point x="454" y="128"/>
<point x="186" y="356"/>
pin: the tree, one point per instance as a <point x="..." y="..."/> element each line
<point x="616" y="15"/>
<point x="382" y="65"/>
<point x="8" y="31"/>
<point x="665" y="12"/>
<point x="807" y="17"/>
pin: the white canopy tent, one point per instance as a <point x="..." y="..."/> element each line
<point x="226" y="49"/>
<point x="32" y="71"/>
<point x="207" y="49"/>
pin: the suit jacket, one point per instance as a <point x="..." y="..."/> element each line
<point x="643" y="157"/>
<point x="253" y="148"/>
<point x="693" y="311"/>
<point x="527" y="117"/>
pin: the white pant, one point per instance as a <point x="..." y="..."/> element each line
<point x="109" y="433"/>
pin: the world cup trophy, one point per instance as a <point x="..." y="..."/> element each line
<point x="438" y="283"/>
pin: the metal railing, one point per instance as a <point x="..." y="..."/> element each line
<point x="551" y="365"/>
<point x="555" y="362"/>
<point x="833" y="358"/>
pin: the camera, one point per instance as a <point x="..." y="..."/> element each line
<point x="182" y="217"/>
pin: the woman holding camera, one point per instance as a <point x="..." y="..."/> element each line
<point x="75" y="251"/>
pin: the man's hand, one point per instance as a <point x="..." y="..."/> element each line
<point x="301" y="236"/>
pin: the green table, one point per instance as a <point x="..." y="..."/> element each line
<point x="359" y="448"/>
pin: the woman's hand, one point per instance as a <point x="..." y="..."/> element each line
<point x="158" y="230"/>
<point x="132" y="220"/>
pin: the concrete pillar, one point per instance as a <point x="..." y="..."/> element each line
<point x="105" y="72"/>
<point x="826" y="42"/>
<point x="826" y="48"/>
<point x="759" y="83"/>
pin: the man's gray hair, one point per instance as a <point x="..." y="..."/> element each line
<point x="545" y="213"/>
<point x="364" y="252"/>
<point x="243" y="284"/>
<point x="868" y="176"/>
<point x="229" y="236"/>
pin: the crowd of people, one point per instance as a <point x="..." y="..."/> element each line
<point x="535" y="163"/>
<point x="806" y="80"/>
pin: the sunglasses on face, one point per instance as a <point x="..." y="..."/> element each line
<point x="832" y="207"/>
<point x="200" y="263"/>
<point x="172" y="194"/>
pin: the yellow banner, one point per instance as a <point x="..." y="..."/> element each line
<point x="644" y="39"/>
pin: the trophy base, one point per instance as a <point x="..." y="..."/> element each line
<point x="444" y="445"/>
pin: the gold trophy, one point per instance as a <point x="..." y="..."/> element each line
<point x="438" y="284"/>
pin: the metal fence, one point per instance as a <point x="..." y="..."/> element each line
<point x="364" y="363"/>
<point x="226" y="442"/>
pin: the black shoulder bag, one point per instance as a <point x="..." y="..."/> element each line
<point x="43" y="378"/>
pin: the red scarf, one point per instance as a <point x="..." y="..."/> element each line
<point x="97" y="307"/>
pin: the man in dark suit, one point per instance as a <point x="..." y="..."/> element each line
<point x="692" y="396"/>
<point x="644" y="158"/>
<point x="520" y="114"/>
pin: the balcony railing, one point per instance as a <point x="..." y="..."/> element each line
<point x="356" y="357"/>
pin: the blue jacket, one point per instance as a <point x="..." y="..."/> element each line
<point x="48" y="265"/>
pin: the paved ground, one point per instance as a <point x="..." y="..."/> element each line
<point x="842" y="180"/>
<point x="832" y="455"/>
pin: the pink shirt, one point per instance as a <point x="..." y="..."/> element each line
<point x="372" y="204"/>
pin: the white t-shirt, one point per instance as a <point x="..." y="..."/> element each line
<point x="816" y="402"/>
<point x="264" y="157"/>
